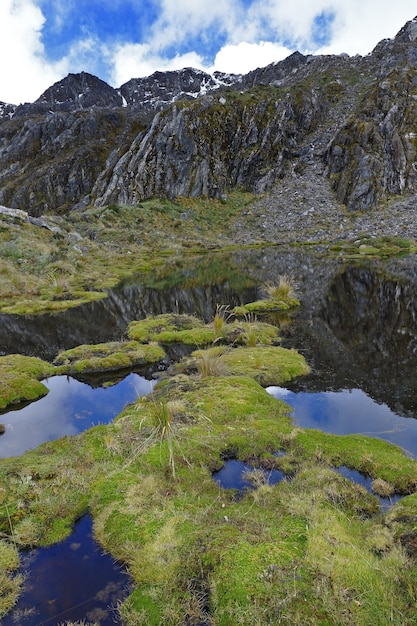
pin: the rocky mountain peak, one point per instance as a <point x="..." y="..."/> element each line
<point x="408" y="32"/>
<point x="74" y="92"/>
<point x="161" y="88"/>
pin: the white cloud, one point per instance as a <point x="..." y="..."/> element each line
<point x="244" y="57"/>
<point x="180" y="19"/>
<point x="136" y="60"/>
<point x="359" y="26"/>
<point x="24" y="72"/>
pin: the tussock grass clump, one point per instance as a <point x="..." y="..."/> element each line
<point x="280" y="296"/>
<point x="27" y="532"/>
<point x="160" y="424"/>
<point x="382" y="488"/>
<point x="251" y="333"/>
<point x="211" y="362"/>
<point x="284" y="289"/>
<point x="220" y="319"/>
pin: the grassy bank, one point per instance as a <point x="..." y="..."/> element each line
<point x="66" y="262"/>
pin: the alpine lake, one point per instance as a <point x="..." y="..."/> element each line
<point x="356" y="328"/>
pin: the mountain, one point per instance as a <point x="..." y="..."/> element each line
<point x="346" y="125"/>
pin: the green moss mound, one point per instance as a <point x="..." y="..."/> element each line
<point x="267" y="306"/>
<point x="20" y="379"/>
<point x="151" y="328"/>
<point x="186" y="329"/>
<point x="268" y="365"/>
<point x="38" y="307"/>
<point x="110" y="356"/>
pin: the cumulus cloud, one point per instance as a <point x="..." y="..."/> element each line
<point x="24" y="71"/>
<point x="358" y="27"/>
<point x="354" y="27"/>
<point x="244" y="57"/>
<point x="181" y="19"/>
<point x="136" y="60"/>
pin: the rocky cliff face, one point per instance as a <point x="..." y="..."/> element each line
<point x="188" y="133"/>
<point x="373" y="155"/>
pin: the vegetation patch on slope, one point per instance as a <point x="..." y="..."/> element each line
<point x="65" y="262"/>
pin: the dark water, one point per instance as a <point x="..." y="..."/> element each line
<point x="70" y="407"/>
<point x="361" y="333"/>
<point x="72" y="580"/>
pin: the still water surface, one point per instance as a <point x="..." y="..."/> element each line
<point x="233" y="475"/>
<point x="347" y="412"/>
<point x="69" y="407"/>
<point x="72" y="580"/>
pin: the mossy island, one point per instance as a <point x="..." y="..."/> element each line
<point x="313" y="548"/>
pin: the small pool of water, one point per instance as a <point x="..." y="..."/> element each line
<point x="69" y="408"/>
<point x="348" y="412"/>
<point x="232" y="475"/>
<point x="366" y="481"/>
<point x="72" y="580"/>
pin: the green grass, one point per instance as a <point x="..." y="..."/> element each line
<point x="188" y="330"/>
<point x="268" y="365"/>
<point x="167" y="325"/>
<point x="279" y="296"/>
<point x="284" y="289"/>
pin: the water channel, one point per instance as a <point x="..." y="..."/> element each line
<point x="357" y="328"/>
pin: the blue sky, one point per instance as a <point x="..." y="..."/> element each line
<point x="41" y="41"/>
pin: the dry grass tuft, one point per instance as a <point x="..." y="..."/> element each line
<point x="382" y="488"/>
<point x="211" y="362"/>
<point x="286" y="288"/>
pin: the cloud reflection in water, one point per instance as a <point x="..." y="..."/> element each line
<point x="347" y="412"/>
<point x="69" y="408"/>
